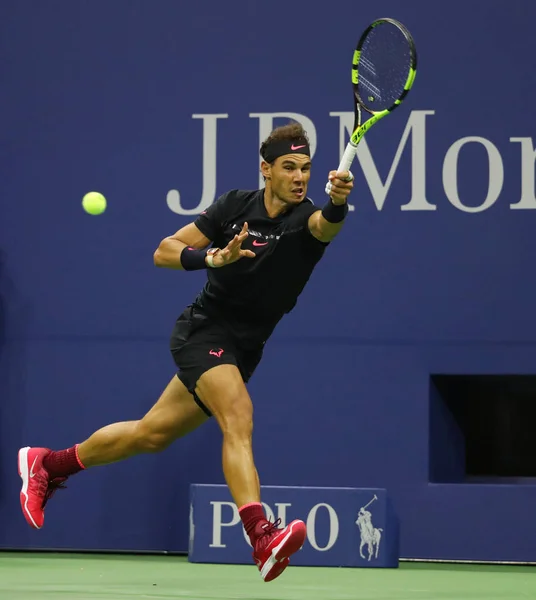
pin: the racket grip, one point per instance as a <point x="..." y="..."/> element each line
<point x="346" y="162"/>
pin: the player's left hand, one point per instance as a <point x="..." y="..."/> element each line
<point x="342" y="183"/>
<point x="233" y="251"/>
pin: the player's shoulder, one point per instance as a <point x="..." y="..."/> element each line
<point x="308" y="202"/>
<point x="307" y="206"/>
<point x="237" y="199"/>
<point x="240" y="196"/>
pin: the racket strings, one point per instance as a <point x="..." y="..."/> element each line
<point x="383" y="67"/>
<point x="368" y="72"/>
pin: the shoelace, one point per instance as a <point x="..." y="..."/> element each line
<point x="269" y="530"/>
<point x="52" y="487"/>
<point x="272" y="527"/>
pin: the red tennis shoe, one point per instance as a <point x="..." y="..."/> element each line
<point x="274" y="546"/>
<point x="37" y="486"/>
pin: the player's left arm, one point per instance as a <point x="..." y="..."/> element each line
<point x="325" y="224"/>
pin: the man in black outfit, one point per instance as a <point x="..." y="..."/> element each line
<point x="264" y="245"/>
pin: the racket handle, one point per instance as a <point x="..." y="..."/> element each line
<point x="346" y="162"/>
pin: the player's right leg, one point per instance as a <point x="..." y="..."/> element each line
<point x="43" y="471"/>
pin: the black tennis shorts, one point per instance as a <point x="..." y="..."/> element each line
<point x="199" y="343"/>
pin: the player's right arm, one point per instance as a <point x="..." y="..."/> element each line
<point x="168" y="253"/>
<point x="192" y="241"/>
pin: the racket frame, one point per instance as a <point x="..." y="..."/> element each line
<point x="361" y="128"/>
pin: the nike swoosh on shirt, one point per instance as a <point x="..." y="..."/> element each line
<point x="256" y="243"/>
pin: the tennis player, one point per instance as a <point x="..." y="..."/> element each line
<point x="259" y="249"/>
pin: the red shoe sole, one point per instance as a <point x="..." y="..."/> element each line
<point x="277" y="569"/>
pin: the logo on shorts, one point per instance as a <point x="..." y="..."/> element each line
<point x="217" y="352"/>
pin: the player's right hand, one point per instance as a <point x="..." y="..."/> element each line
<point x="233" y="251"/>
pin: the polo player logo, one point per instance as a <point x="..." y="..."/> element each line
<point x="370" y="535"/>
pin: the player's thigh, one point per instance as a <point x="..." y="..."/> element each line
<point x="198" y="344"/>
<point x="222" y="390"/>
<point x="174" y="415"/>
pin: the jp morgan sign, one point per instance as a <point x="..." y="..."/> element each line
<point x="414" y="137"/>
<point x="346" y="527"/>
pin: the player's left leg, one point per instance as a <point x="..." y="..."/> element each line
<point x="222" y="390"/>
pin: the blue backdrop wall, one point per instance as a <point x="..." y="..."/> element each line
<point x="161" y="106"/>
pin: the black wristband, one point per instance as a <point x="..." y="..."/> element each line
<point x="334" y="213"/>
<point x="193" y="259"/>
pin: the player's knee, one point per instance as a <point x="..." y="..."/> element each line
<point x="236" y="420"/>
<point x="151" y="441"/>
<point x="156" y="443"/>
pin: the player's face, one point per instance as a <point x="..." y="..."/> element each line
<point x="289" y="177"/>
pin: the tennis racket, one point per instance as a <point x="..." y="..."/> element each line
<point x="383" y="71"/>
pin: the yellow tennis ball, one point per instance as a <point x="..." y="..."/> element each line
<point x="94" y="203"/>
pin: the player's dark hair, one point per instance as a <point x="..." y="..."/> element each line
<point x="292" y="132"/>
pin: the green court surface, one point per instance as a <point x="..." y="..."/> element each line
<point x="36" y="576"/>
